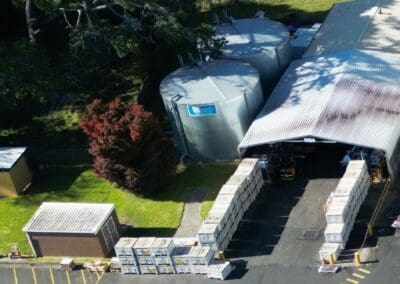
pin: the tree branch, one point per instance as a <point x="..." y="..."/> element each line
<point x="65" y="17"/>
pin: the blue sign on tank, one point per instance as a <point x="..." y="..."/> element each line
<point x="202" y="110"/>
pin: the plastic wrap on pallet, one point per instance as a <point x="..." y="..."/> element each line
<point x="124" y="247"/>
<point x="142" y="246"/>
<point x="219" y="269"/>
<point x="162" y="247"/>
<point x="329" y="248"/>
<point x="130" y="269"/>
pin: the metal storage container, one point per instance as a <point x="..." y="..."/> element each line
<point x="130" y="269"/>
<point x="162" y="247"/>
<point x="200" y="255"/>
<point x="142" y="246"/>
<point x="124" y="247"/>
<point x="219" y="269"/>
<point x="148" y="269"/>
<point x="180" y="256"/>
<point x="259" y="41"/>
<point x="211" y="106"/>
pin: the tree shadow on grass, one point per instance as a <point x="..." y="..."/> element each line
<point x="209" y="177"/>
<point x="131" y="231"/>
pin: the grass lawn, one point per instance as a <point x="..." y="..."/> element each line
<point x="307" y="11"/>
<point x="159" y="215"/>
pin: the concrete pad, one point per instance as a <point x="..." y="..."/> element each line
<point x="191" y="219"/>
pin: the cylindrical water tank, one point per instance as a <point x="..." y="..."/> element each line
<point x="263" y="43"/>
<point x="211" y="105"/>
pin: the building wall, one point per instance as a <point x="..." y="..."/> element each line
<point x="21" y="175"/>
<point x="50" y="244"/>
<point x="115" y="236"/>
<point x="6" y="184"/>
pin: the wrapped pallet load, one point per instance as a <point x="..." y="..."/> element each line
<point x="219" y="269"/>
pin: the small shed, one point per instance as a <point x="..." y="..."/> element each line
<point x="15" y="175"/>
<point x="73" y="229"/>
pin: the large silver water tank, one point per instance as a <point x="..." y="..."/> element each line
<point x="259" y="41"/>
<point x="211" y="105"/>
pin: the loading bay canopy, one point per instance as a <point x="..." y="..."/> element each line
<point x="350" y="97"/>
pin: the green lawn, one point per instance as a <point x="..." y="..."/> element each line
<point x="159" y="215"/>
<point x="307" y="11"/>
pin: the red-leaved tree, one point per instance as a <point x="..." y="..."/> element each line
<point x="128" y="145"/>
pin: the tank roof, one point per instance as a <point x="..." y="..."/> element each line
<point x="210" y="82"/>
<point x="250" y="36"/>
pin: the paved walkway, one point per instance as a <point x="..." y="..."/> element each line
<point x="191" y="219"/>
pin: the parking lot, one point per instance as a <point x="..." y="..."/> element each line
<point x="44" y="275"/>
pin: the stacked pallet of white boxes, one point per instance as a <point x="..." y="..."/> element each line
<point x="126" y="255"/>
<point x="181" y="259"/>
<point x="161" y="251"/>
<point x="142" y="249"/>
<point x="200" y="258"/>
<point x="234" y="198"/>
<point x="343" y="207"/>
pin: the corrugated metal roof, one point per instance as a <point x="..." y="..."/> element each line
<point x="351" y="97"/>
<point x="210" y="82"/>
<point x="363" y="24"/>
<point x="9" y="156"/>
<point x="69" y="217"/>
<point x="250" y="36"/>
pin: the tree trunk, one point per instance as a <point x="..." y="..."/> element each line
<point x="88" y="10"/>
<point x="31" y="21"/>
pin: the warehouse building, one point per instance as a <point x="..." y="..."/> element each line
<point x="350" y="97"/>
<point x="361" y="24"/>
<point x="73" y="229"/>
<point x="15" y="175"/>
